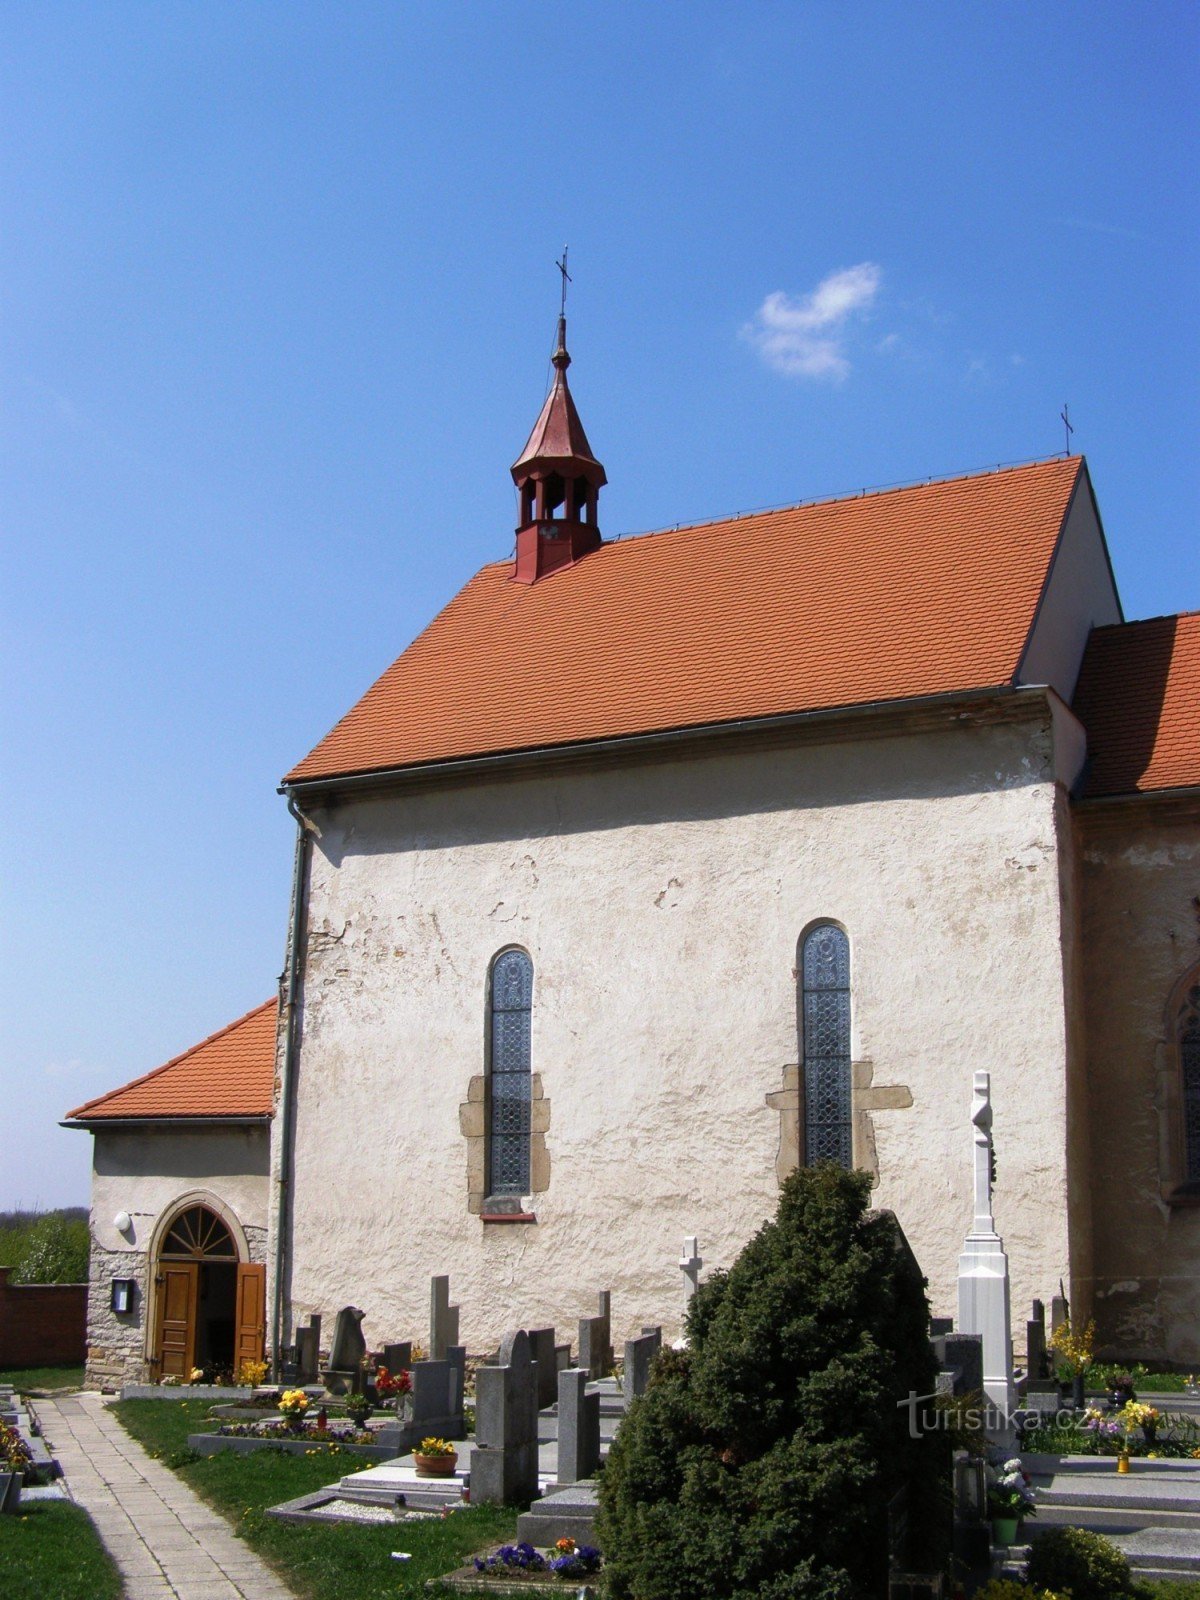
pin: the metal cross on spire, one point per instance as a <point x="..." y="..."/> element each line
<point x="566" y="279"/>
<point x="1063" y="415"/>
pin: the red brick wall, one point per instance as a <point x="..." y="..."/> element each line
<point x="42" y="1324"/>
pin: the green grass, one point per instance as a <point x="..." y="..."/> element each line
<point x="23" y="1379"/>
<point x="320" y="1563"/>
<point x="50" y="1548"/>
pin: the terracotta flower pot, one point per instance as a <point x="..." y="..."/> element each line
<point x="435" y="1466"/>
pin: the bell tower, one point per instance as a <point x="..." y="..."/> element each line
<point x="558" y="480"/>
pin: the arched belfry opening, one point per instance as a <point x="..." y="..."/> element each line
<point x="209" y="1301"/>
<point x="558" y="483"/>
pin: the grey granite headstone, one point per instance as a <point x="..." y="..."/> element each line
<point x="344" y="1371"/>
<point x="1059" y="1313"/>
<point x="541" y="1345"/>
<point x="962" y="1355"/>
<point x="939" y="1327"/>
<point x="639" y="1353"/>
<point x="504" y="1463"/>
<point x="1035" y="1342"/>
<point x="308" y="1350"/>
<point x="443" y="1319"/>
<point x="578" y="1427"/>
<point x="398" y="1357"/>
<point x="595" y="1339"/>
<point x="430" y="1392"/>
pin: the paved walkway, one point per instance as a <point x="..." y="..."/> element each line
<point x="168" y="1544"/>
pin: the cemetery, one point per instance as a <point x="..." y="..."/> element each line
<point x="815" y="1431"/>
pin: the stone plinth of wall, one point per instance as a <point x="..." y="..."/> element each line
<point x="116" y="1345"/>
<point x="42" y="1324"/>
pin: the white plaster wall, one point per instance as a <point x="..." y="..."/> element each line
<point x="1080" y="596"/>
<point x="661" y="905"/>
<point x="147" y="1173"/>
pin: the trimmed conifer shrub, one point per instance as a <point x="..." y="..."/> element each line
<point x="761" y="1461"/>
<point x="1086" y="1564"/>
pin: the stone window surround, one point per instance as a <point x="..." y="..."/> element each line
<point x="472" y="1121"/>
<point x="1175" y="1187"/>
<point x="865" y="1098"/>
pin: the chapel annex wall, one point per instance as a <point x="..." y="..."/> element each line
<point x="1141" y="935"/>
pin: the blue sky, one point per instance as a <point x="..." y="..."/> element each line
<point x="279" y="295"/>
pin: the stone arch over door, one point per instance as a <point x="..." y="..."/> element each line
<point x="207" y="1299"/>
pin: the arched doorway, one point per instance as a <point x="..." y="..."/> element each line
<point x="210" y="1303"/>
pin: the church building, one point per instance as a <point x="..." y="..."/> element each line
<point x="656" y="866"/>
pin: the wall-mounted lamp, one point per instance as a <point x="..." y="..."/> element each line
<point x="122" y="1295"/>
<point x="122" y="1222"/>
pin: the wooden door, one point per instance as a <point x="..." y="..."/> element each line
<point x="178" y="1284"/>
<point x="251" y="1324"/>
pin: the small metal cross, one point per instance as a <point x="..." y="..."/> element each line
<point x="1063" y="414"/>
<point x="566" y="277"/>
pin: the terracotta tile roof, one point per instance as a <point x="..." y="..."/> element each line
<point x="1139" y="699"/>
<point x="229" y="1074"/>
<point x="885" y="596"/>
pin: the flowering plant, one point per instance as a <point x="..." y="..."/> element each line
<point x="13" y="1449"/>
<point x="392" y="1385"/>
<point x="519" y="1557"/>
<point x="1076" y="1351"/>
<point x="1010" y="1493"/>
<point x="435" y="1447"/>
<point x="197" y="1375"/>
<point x="293" y="1403"/>
<point x="251" y="1374"/>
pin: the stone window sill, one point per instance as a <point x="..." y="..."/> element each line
<point x="508" y="1216"/>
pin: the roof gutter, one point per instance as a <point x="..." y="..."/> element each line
<point x="164" y="1120"/>
<point x="637" y="743"/>
<point x="287" y="1075"/>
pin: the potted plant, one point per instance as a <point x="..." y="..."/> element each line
<point x="358" y="1409"/>
<point x="293" y="1403"/>
<point x="1010" y="1498"/>
<point x="1136" y="1415"/>
<point x="435" y="1458"/>
<point x="1075" y="1355"/>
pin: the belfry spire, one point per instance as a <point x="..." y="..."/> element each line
<point x="557" y="477"/>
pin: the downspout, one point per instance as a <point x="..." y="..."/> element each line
<point x="287" y="1096"/>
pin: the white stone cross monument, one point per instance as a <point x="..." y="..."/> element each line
<point x="690" y="1263"/>
<point x="983" y="1298"/>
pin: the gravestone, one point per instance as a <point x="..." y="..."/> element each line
<point x="639" y="1353"/>
<point x="1059" y="1313"/>
<point x="983" y="1292"/>
<point x="308" y="1351"/>
<point x="939" y="1326"/>
<point x="578" y="1427"/>
<point x="504" y="1462"/>
<point x="1035" y="1343"/>
<point x="435" y="1403"/>
<point x="961" y="1355"/>
<point x="541" y="1347"/>
<point x="690" y="1262"/>
<point x="595" y="1339"/>
<point x="398" y="1357"/>
<point x="443" y="1319"/>
<point x="344" y="1372"/>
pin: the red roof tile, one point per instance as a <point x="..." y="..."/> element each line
<point x="229" y="1074"/>
<point x="1139" y="699"/>
<point x="885" y="596"/>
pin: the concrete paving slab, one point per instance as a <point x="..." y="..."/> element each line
<point x="167" y="1544"/>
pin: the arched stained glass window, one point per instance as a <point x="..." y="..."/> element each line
<point x="509" y="1078"/>
<point x="825" y="1037"/>
<point x="1189" y="1071"/>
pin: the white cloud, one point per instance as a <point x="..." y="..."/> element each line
<point x="804" y="336"/>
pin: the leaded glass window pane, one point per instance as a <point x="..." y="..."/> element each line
<point x="825" y="1027"/>
<point x="509" y="1082"/>
<point x="1189" y="1062"/>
